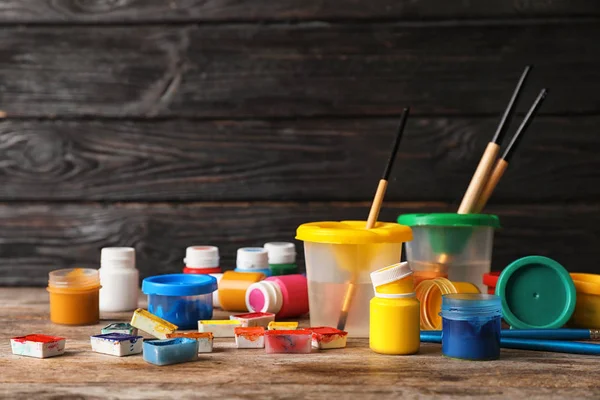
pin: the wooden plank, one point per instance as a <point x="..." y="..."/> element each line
<point x="143" y="11"/>
<point x="36" y="239"/>
<point x="353" y="372"/>
<point x="306" y="69"/>
<point x="324" y="159"/>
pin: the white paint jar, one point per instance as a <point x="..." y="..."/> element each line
<point x="119" y="279"/>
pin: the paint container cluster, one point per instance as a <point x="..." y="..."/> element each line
<point x="273" y="259"/>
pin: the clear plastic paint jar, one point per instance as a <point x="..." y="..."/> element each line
<point x="282" y="258"/>
<point x="471" y="326"/>
<point x="587" y="308"/>
<point x="285" y="296"/>
<point x="181" y="299"/>
<point x="253" y="259"/>
<point x="459" y="245"/>
<point x="339" y="258"/>
<point x="394" y="326"/>
<point x="119" y="279"/>
<point x="201" y="260"/>
<point x="430" y="292"/>
<point x="232" y="289"/>
<point x="74" y="296"/>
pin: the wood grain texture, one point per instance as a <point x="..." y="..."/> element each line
<point x="35" y="239"/>
<point x="320" y="159"/>
<point x="305" y="69"/>
<point x="354" y="372"/>
<point x="95" y="11"/>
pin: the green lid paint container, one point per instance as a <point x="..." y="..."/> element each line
<point x="282" y="258"/>
<point x="453" y="246"/>
<point x="537" y="293"/>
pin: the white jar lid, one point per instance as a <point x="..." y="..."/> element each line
<point x="124" y="256"/>
<point x="390" y="274"/>
<point x="201" y="257"/>
<point x="252" y="258"/>
<point x="281" y="252"/>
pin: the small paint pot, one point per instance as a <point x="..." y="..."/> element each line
<point x="170" y="351"/>
<point x="74" y="296"/>
<point x="201" y="260"/>
<point x="182" y="299"/>
<point x="587" y="307"/>
<point x="282" y="258"/>
<point x="430" y="292"/>
<point x="253" y="259"/>
<point x="491" y="280"/>
<point x="471" y="326"/>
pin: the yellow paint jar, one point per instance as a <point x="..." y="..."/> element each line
<point x="233" y="286"/>
<point x="74" y="296"/>
<point x="587" y="307"/>
<point x="394" y="312"/>
<point x="430" y="292"/>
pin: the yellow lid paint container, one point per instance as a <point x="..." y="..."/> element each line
<point x="394" y="327"/>
<point x="430" y="292"/>
<point x="587" y="307"/>
<point x="74" y="296"/>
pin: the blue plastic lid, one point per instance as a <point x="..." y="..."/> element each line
<point x="179" y="284"/>
<point x="466" y="306"/>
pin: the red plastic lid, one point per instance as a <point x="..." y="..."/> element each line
<point x="203" y="271"/>
<point x="491" y="278"/>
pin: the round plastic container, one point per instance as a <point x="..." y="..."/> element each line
<point x="587" y="308"/>
<point x="537" y="293"/>
<point x="182" y="299"/>
<point x="459" y="245"/>
<point x="201" y="260"/>
<point x="394" y="327"/>
<point x="282" y="258"/>
<point x="232" y="289"/>
<point x="253" y="259"/>
<point x="286" y="296"/>
<point x="339" y="258"/>
<point x="491" y="280"/>
<point x="430" y="292"/>
<point x="74" y="296"/>
<point x="471" y="326"/>
<point x="119" y="278"/>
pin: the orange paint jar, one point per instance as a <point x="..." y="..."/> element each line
<point x="232" y="289"/>
<point x="74" y="296"/>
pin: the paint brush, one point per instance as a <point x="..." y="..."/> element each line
<point x="491" y="152"/>
<point x="555" y="346"/>
<point x="373" y="215"/>
<point x="502" y="163"/>
<point x="539" y="334"/>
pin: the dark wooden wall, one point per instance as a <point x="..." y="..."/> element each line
<point x="165" y="123"/>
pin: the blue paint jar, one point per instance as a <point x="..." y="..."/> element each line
<point x="471" y="325"/>
<point x="182" y="299"/>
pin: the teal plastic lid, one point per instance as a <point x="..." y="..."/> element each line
<point x="449" y="220"/>
<point x="537" y="293"/>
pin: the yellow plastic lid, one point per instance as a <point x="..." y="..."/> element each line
<point x="586" y="283"/>
<point x="353" y="232"/>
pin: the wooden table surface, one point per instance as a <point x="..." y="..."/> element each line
<point x="354" y="372"/>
